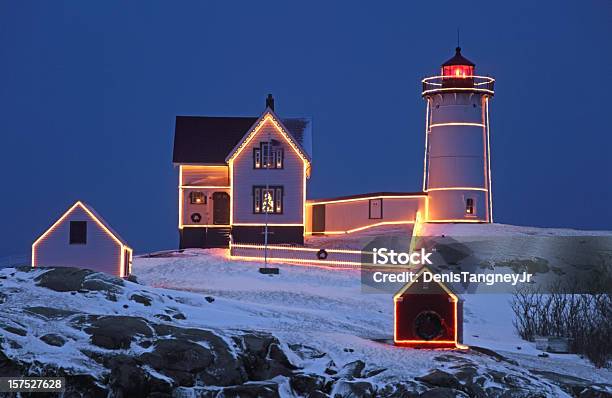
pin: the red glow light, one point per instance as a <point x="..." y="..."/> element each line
<point x="458" y="71"/>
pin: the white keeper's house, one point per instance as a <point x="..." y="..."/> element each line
<point x="239" y="174"/>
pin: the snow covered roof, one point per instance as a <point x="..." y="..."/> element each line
<point x="210" y="139"/>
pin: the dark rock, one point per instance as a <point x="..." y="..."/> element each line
<point x="317" y="394"/>
<point x="595" y="392"/>
<point x="49" y="313"/>
<point x="450" y="358"/>
<point x="466" y="373"/>
<point x="3" y="298"/>
<point x="191" y="334"/>
<point x="352" y="370"/>
<point x="53" y="339"/>
<point x="440" y="378"/>
<point x="125" y="306"/>
<point x="184" y="360"/>
<point x="141" y="299"/>
<point x="145" y="343"/>
<point x="373" y="372"/>
<point x="63" y="279"/>
<point x="15" y="345"/>
<point x="304" y="384"/>
<point x="96" y="356"/>
<point x="132" y="278"/>
<point x="178" y="359"/>
<point x="493" y="354"/>
<point x="571" y="384"/>
<point x="401" y="390"/>
<point x="252" y="390"/>
<point x="209" y="299"/>
<point x="82" y="386"/>
<point x="331" y="368"/>
<point x="443" y="392"/>
<point x="163" y="317"/>
<point x="127" y="379"/>
<point x="96" y="284"/>
<point x="67" y="279"/>
<point x="353" y="389"/>
<point x="14" y="330"/>
<point x="516" y="381"/>
<point x="263" y="358"/>
<point x="10" y="367"/>
<point x="306" y="352"/>
<point x="179" y="316"/>
<point x="117" y="332"/>
<point x="520" y="393"/>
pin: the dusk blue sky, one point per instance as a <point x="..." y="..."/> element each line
<point x="90" y="91"/>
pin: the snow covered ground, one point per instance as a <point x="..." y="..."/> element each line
<point x="325" y="308"/>
<point x="320" y="307"/>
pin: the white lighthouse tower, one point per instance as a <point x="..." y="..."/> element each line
<point x="457" y="175"/>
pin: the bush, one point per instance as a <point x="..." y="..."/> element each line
<point x="584" y="318"/>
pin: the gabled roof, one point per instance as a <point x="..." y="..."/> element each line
<point x="408" y="285"/>
<point x="209" y="140"/>
<point x="268" y="116"/>
<point x="94" y="216"/>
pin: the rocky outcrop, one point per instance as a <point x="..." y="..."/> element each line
<point x="142" y="347"/>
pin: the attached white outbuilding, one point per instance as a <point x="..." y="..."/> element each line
<point x="81" y="238"/>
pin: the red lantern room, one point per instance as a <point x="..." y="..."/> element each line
<point x="458" y="71"/>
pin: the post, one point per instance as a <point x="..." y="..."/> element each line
<point x="265" y="269"/>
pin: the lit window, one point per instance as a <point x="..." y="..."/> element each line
<point x="268" y="199"/>
<point x="278" y="194"/>
<point x="197" y="198"/>
<point x="469" y="206"/>
<point x="78" y="232"/>
<point x="458" y="71"/>
<point x="257" y="200"/>
<point x="279" y="158"/>
<point x="269" y="155"/>
<point x="257" y="158"/>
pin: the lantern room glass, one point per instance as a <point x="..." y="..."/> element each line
<point x="458" y="71"/>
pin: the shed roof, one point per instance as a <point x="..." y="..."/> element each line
<point x="104" y="223"/>
<point x="94" y="215"/>
<point x="210" y="139"/>
<point x="407" y="287"/>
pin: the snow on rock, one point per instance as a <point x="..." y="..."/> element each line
<point x="202" y="325"/>
<point x="326" y="309"/>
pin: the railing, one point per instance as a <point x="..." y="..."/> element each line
<point x="441" y="84"/>
<point x="337" y="258"/>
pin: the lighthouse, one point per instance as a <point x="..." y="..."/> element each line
<point x="457" y="164"/>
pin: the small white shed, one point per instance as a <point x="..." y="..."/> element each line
<point x="81" y="238"/>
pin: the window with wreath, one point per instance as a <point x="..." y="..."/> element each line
<point x="268" y="199"/>
<point x="269" y="155"/>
